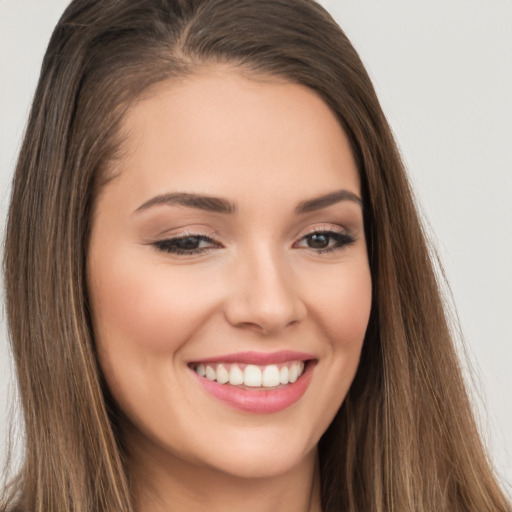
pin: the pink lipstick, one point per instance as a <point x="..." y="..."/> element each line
<point x="260" y="358"/>
<point x="256" y="382"/>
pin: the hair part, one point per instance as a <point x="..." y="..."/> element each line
<point x="404" y="438"/>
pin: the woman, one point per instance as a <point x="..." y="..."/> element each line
<point x="219" y="293"/>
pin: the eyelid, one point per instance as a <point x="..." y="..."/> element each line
<point x="191" y="232"/>
<point x="323" y="228"/>
<point x="165" y="244"/>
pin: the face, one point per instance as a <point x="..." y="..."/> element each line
<point x="228" y="274"/>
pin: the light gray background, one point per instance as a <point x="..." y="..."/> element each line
<point x="443" y="72"/>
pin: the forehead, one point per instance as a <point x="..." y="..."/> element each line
<point x="221" y="132"/>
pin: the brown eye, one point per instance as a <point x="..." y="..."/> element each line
<point x="188" y="244"/>
<point x="326" y="241"/>
<point x="318" y="241"/>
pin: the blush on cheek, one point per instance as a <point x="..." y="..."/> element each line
<point x="345" y="307"/>
<point x="156" y="309"/>
<point x="353" y="320"/>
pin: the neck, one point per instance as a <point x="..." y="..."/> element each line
<point x="163" y="483"/>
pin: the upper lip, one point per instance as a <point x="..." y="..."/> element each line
<point x="258" y="358"/>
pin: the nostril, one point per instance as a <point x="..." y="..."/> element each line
<point x="263" y="318"/>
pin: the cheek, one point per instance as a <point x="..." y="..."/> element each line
<point x="341" y="304"/>
<point x="143" y="315"/>
<point x="350" y="317"/>
<point x="143" y="307"/>
<point x="340" y="298"/>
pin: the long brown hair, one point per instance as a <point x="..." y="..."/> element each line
<point x="404" y="438"/>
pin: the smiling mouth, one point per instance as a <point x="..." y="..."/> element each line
<point x="256" y="382"/>
<point x="251" y="376"/>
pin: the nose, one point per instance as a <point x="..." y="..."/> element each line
<point x="263" y="296"/>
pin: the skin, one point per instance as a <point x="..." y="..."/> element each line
<point x="265" y="146"/>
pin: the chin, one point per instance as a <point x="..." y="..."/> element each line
<point x="261" y="463"/>
<point x="260" y="453"/>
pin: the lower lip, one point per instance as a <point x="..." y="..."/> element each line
<point x="259" y="401"/>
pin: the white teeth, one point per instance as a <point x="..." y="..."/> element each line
<point x="252" y="376"/>
<point x="222" y="374"/>
<point x="236" y="376"/>
<point x="293" y="373"/>
<point x="201" y="370"/>
<point x="269" y="376"/>
<point x="283" y="375"/>
<point x="211" y="374"/>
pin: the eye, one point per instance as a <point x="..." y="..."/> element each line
<point x="326" y="241"/>
<point x="188" y="244"/>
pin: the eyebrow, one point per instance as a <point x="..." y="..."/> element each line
<point x="219" y="205"/>
<point x="208" y="203"/>
<point x="317" y="203"/>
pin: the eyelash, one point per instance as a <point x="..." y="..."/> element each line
<point x="170" y="245"/>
